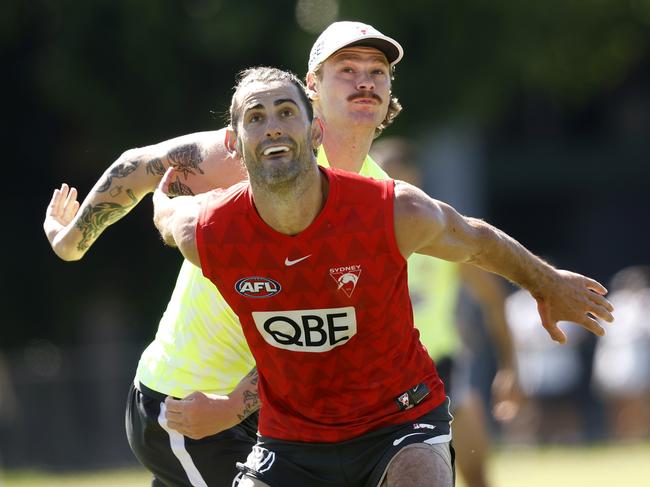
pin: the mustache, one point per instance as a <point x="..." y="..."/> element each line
<point x="364" y="94"/>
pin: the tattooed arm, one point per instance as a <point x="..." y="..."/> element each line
<point x="199" y="415"/>
<point x="201" y="162"/>
<point x="250" y="399"/>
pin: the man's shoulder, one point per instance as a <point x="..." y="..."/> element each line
<point x="222" y="206"/>
<point x="220" y="197"/>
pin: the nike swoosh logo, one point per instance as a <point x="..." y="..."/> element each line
<point x="288" y="262"/>
<point x="399" y="440"/>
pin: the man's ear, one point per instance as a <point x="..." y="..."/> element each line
<point x="312" y="86"/>
<point x="317" y="129"/>
<point x="231" y="142"/>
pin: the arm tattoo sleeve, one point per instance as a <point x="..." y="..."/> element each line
<point x="155" y="166"/>
<point x="95" y="218"/>
<point x="119" y="171"/>
<point x="177" y="188"/>
<point x="186" y="159"/>
<point x="251" y="398"/>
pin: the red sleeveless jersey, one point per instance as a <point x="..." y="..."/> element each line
<point x="326" y="313"/>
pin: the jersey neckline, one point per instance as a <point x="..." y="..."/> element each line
<point x="332" y="195"/>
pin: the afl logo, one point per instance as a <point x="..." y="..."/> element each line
<point x="257" y="287"/>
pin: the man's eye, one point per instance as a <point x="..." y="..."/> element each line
<point x="287" y="112"/>
<point x="347" y="69"/>
<point x="254" y="118"/>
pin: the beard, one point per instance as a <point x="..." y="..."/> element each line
<point x="278" y="174"/>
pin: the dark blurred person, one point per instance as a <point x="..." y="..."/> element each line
<point x="434" y="286"/>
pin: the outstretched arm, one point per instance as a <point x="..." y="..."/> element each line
<point x="201" y="162"/>
<point x="430" y="227"/>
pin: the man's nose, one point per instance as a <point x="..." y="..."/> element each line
<point x="366" y="83"/>
<point x="273" y="130"/>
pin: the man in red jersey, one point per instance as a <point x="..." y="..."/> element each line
<point x="186" y="421"/>
<point x="350" y="395"/>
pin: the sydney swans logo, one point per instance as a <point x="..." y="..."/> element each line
<point x="346" y="278"/>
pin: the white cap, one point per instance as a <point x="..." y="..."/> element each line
<point x="346" y="33"/>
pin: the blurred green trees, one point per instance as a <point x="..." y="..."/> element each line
<point x="85" y="80"/>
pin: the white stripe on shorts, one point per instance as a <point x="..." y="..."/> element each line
<point x="443" y="438"/>
<point x="177" y="444"/>
<point x="438" y="439"/>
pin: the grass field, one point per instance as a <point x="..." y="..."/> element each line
<point x="601" y="466"/>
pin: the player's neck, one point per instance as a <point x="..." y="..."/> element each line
<point x="347" y="146"/>
<point x="291" y="212"/>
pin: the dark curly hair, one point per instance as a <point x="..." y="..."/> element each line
<point x="264" y="74"/>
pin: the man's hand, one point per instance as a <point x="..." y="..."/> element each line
<point x="199" y="415"/>
<point x="572" y="297"/>
<point x="182" y="184"/>
<point x="62" y="209"/>
<point x="172" y="184"/>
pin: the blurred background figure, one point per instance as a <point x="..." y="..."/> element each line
<point x="551" y="377"/>
<point x="622" y="357"/>
<point x="435" y="302"/>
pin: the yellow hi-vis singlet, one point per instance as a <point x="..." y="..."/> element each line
<point x="434" y="285"/>
<point x="369" y="169"/>
<point x="199" y="345"/>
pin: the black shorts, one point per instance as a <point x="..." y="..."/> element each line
<point x="359" y="462"/>
<point x="456" y="373"/>
<point x="178" y="461"/>
<point x="444" y="366"/>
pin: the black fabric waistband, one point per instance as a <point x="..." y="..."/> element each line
<point x="159" y="396"/>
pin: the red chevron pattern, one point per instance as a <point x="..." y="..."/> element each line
<point x="332" y="357"/>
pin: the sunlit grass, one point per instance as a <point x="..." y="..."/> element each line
<point x="134" y="477"/>
<point x="599" y="466"/>
<point x="596" y="466"/>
